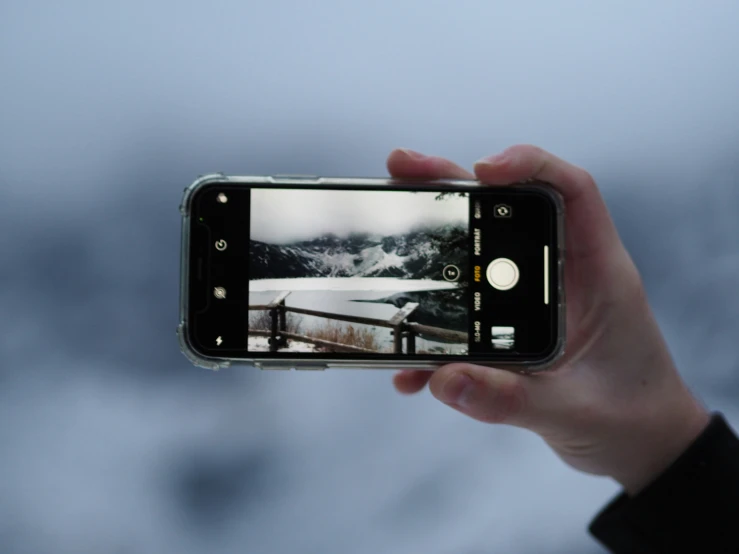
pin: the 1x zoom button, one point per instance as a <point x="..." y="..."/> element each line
<point x="451" y="273"/>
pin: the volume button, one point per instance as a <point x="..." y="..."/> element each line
<point x="297" y="177"/>
<point x="273" y="366"/>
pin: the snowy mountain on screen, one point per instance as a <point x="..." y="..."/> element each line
<point x="419" y="254"/>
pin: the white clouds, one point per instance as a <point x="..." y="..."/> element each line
<point x="284" y="215"/>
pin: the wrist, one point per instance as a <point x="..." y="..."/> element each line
<point x="663" y="442"/>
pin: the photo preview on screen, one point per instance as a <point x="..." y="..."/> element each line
<point x="359" y="271"/>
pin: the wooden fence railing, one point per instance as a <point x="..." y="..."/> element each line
<point x="278" y="333"/>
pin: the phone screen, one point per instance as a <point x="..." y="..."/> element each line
<point x="367" y="273"/>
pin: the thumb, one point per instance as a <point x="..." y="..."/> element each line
<point x="484" y="393"/>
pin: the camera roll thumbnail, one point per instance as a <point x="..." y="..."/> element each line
<point x="503" y="338"/>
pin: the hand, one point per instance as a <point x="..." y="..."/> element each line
<point x="615" y="404"/>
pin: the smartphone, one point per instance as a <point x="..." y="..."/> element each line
<point x="295" y="272"/>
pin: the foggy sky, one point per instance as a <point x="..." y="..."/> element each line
<point x="113" y="442"/>
<point x="287" y="215"/>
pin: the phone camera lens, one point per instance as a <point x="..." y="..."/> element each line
<point x="219" y="292"/>
<point x="222" y="198"/>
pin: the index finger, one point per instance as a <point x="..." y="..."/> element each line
<point x="404" y="163"/>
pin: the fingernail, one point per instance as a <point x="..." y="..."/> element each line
<point x="495" y="159"/>
<point x="458" y="390"/>
<point x="412" y="154"/>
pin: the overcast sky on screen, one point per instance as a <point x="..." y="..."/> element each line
<point x="286" y="215"/>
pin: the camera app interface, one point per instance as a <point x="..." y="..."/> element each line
<point x="393" y="272"/>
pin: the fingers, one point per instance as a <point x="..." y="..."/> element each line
<point x="483" y="393"/>
<point x="589" y="226"/>
<point x="404" y="163"/>
<point x="411" y="381"/>
<point x="525" y="161"/>
<point x="408" y="164"/>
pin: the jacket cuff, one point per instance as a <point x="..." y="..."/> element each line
<point x="690" y="507"/>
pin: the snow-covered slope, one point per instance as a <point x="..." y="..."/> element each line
<point x="420" y="254"/>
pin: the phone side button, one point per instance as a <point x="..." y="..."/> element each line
<point x="310" y="367"/>
<point x="274" y="366"/>
<point x="296" y="177"/>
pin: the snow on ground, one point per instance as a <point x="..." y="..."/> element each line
<point x="349" y="283"/>
<point x="261" y="344"/>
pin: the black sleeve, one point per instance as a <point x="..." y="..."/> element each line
<point x="693" y="507"/>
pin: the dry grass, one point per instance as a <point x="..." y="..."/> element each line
<point x="434" y="350"/>
<point x="332" y="331"/>
<point x="361" y="337"/>
<point x="261" y="320"/>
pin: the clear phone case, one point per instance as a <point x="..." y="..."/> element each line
<point x="530" y="366"/>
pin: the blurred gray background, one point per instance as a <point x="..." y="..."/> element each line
<point x="111" y="442"/>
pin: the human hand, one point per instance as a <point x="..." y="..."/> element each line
<point x="614" y="404"/>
